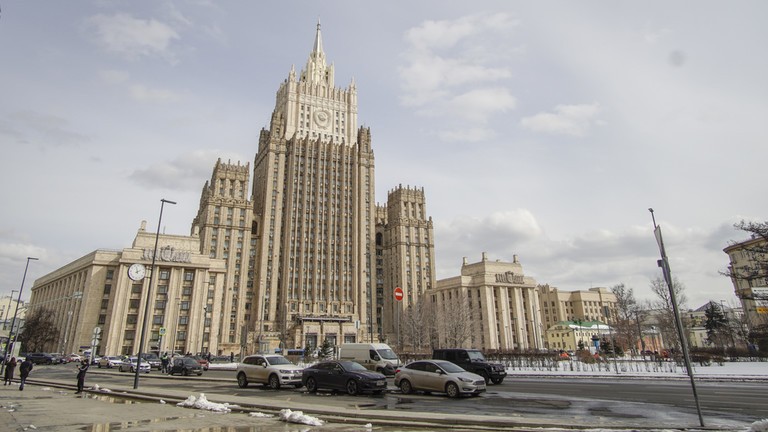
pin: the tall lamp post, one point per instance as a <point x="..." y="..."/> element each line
<point x="149" y="291"/>
<point x="11" y="336"/>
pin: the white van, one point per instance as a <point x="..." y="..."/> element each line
<point x="378" y="357"/>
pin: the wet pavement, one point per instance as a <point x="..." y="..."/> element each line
<point x="53" y="406"/>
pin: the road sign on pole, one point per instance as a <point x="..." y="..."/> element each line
<point x="399" y="294"/>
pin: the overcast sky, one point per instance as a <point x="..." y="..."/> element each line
<point x="541" y="130"/>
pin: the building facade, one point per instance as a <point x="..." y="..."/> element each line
<point x="594" y="304"/>
<point x="748" y="268"/>
<point x="94" y="303"/>
<point x="313" y="214"/>
<point x="405" y="250"/>
<point x="574" y="335"/>
<point x="502" y="302"/>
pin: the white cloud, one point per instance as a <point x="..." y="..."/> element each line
<point x="574" y="120"/>
<point x="449" y="68"/>
<point x="114" y="76"/>
<point x="467" y="134"/>
<point x="144" y="93"/>
<point x="182" y="173"/>
<point x="42" y="129"/>
<point x="133" y="38"/>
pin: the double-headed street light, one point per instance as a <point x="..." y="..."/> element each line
<point x="149" y="292"/>
<point x="11" y="336"/>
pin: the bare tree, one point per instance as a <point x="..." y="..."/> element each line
<point x="666" y="315"/>
<point x="417" y="325"/>
<point x="625" y="320"/>
<point x="39" y="332"/>
<point x="456" y="322"/>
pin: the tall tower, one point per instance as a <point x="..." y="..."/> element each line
<point x="223" y="222"/>
<point x="314" y="211"/>
<point x="405" y="251"/>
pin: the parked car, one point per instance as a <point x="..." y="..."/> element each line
<point x="40" y="358"/>
<point x="129" y="365"/>
<point x="184" y="366"/>
<point x="109" y="362"/>
<point x="202" y="360"/>
<point x="438" y="376"/>
<point x="74" y="357"/>
<point x="153" y="360"/>
<point x="348" y="376"/>
<point x="273" y="370"/>
<point x="58" y="358"/>
<point x="472" y="360"/>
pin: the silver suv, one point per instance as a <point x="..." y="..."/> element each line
<point x="273" y="370"/>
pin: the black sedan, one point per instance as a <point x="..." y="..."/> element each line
<point x="184" y="366"/>
<point x="347" y="376"/>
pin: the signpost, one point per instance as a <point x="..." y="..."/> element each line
<point x="399" y="294"/>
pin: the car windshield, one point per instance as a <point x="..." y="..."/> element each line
<point x="476" y="355"/>
<point x="190" y="361"/>
<point x="278" y="360"/>
<point x="353" y="367"/>
<point x="450" y="367"/>
<point x="387" y="354"/>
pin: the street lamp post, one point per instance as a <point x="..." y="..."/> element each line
<point x="11" y="336"/>
<point x="149" y="291"/>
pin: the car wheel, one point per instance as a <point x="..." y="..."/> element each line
<point x="185" y="372"/>
<point x="485" y="376"/>
<point x="99" y="366"/>
<point x="497" y="380"/>
<point x="242" y="380"/>
<point x="311" y="385"/>
<point x="132" y="369"/>
<point x="452" y="389"/>
<point x="274" y="382"/>
<point x="352" y="387"/>
<point x="405" y="386"/>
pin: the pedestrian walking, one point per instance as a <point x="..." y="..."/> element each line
<point x="24" y="369"/>
<point x="164" y="362"/>
<point x="81" y="370"/>
<point x="10" y="368"/>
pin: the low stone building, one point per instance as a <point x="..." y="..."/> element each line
<point x="94" y="302"/>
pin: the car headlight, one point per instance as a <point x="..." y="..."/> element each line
<point x="285" y="371"/>
<point x="466" y="380"/>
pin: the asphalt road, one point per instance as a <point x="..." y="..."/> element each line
<point x="574" y="397"/>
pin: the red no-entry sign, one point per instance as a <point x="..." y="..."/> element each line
<point x="398" y="294"/>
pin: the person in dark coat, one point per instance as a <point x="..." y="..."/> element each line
<point x="10" y="368"/>
<point x="25" y="369"/>
<point x="81" y="370"/>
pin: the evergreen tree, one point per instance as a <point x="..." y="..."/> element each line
<point x="325" y="351"/>
<point x="716" y="325"/>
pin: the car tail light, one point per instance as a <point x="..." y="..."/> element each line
<point x="397" y="370"/>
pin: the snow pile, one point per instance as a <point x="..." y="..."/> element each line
<point x="97" y="388"/>
<point x="759" y="426"/>
<point x="289" y="416"/>
<point x="203" y="404"/>
<point x="259" y="414"/>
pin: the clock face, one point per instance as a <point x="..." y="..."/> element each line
<point x="137" y="272"/>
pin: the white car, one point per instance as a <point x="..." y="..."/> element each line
<point x="273" y="370"/>
<point x="129" y="365"/>
<point x="109" y="362"/>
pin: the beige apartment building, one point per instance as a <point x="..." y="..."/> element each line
<point x="749" y="275"/>
<point x="594" y="304"/>
<point x="94" y="302"/>
<point x="503" y="305"/>
<point x="572" y="335"/>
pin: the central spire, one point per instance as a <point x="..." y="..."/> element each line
<point x="318" y="47"/>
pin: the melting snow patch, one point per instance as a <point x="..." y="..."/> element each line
<point x="162" y="401"/>
<point x="759" y="426"/>
<point x="289" y="416"/>
<point x="204" y="404"/>
<point x="98" y="388"/>
<point x="46" y="389"/>
<point x="259" y="414"/>
<point x="368" y="426"/>
<point x="30" y="427"/>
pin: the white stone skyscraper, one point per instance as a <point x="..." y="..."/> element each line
<point x="313" y="215"/>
